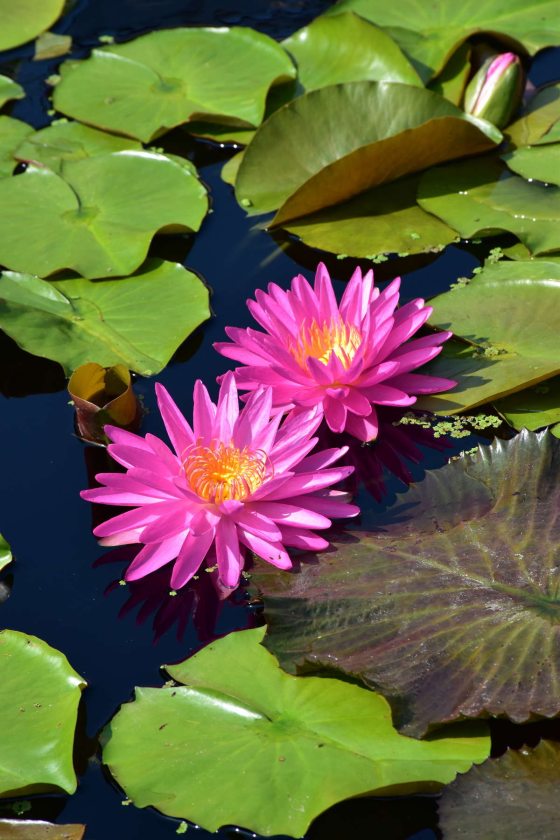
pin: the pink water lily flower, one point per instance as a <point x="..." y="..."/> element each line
<point x="343" y="359"/>
<point x="236" y="480"/>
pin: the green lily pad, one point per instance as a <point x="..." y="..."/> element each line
<point x="51" y="45"/>
<point x="98" y="216"/>
<point x="534" y="408"/>
<point x="147" y="86"/>
<point x="5" y="553"/>
<point x="12" y="133"/>
<point x="383" y="220"/>
<point x="513" y="796"/>
<point x="39" y="696"/>
<point x="346" y="48"/>
<point x="24" y="19"/>
<point x="429" y="32"/>
<point x="39" y="830"/>
<point x="231" y="168"/>
<point x="279" y="749"/>
<point x="138" y="321"/>
<point x="540" y="163"/>
<point x="377" y="132"/>
<point x="481" y="197"/>
<point x="451" y="610"/>
<point x="508" y="315"/>
<point x="539" y="123"/>
<point x="452" y="80"/>
<point x="9" y="90"/>
<point x="65" y="140"/>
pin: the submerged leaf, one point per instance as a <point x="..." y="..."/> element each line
<point x="481" y="197"/>
<point x="452" y="609"/>
<point x="346" y="48"/>
<point x="138" y="321"/>
<point x="99" y="215"/>
<point x="24" y="19"/>
<point x="513" y="796"/>
<point x="39" y="696"/>
<point x="508" y="314"/>
<point x="39" y="830"/>
<point x="382" y="220"/>
<point x="279" y="749"/>
<point x="149" y="85"/>
<point x="377" y="132"/>
<point x="51" y="45"/>
<point x="429" y="32"/>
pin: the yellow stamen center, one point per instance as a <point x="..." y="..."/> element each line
<point x="321" y="341"/>
<point x="219" y="472"/>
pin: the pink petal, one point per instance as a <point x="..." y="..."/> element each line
<point x="386" y="395"/>
<point x="131" y="519"/>
<point x="152" y="557"/>
<point x="204" y="412"/>
<point x="306" y="540"/>
<point x="192" y="554"/>
<point x="328" y="307"/>
<point x="227" y="410"/>
<point x="173" y="520"/>
<point x="335" y="414"/>
<point x="293" y="516"/>
<point x="273" y="553"/>
<point x="308" y="483"/>
<point x="227" y="552"/>
<point x="327" y="507"/>
<point x="364" y="428"/>
<point x="179" y="431"/>
<point x="257" y="524"/>
<point x="420" y="383"/>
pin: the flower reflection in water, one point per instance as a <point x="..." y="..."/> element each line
<point x="203" y="600"/>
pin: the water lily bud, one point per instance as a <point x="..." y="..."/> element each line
<point x="494" y="93"/>
<point x="103" y="395"/>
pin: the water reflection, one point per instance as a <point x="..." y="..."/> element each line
<point x="202" y="600"/>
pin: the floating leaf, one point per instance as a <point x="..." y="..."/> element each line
<point x="24" y="19"/>
<point x="513" y="796"/>
<point x="483" y="197"/>
<point x="39" y="830"/>
<point x="541" y="163"/>
<point x="39" y="696"/>
<point x="103" y="395"/>
<point x="541" y="114"/>
<point x="65" y="140"/>
<point x="9" y="90"/>
<point x="147" y="86"/>
<point x="12" y="133"/>
<point x="452" y="80"/>
<point x="452" y="609"/>
<point x="509" y="315"/>
<point x="383" y="220"/>
<point x="5" y="553"/>
<point x="534" y="408"/>
<point x="231" y="168"/>
<point x="138" y="321"/>
<point x="279" y="749"/>
<point x="51" y="45"/>
<point x="377" y="132"/>
<point x="98" y="216"/>
<point x="346" y="48"/>
<point x="429" y="33"/>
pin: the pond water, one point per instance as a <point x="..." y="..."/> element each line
<point x="64" y="587"/>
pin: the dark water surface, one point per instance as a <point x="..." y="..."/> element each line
<point x="65" y="589"/>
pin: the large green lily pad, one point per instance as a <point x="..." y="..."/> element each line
<point x="5" y="553"/>
<point x="12" y="133"/>
<point x="64" y="140"/>
<point x="11" y="90"/>
<point x="452" y="80"/>
<point x="39" y="830"/>
<point x="346" y="48"/>
<point x="429" y="32"/>
<point x="482" y="197"/>
<point x="540" y="163"/>
<point x="98" y="216"/>
<point x="24" y="19"/>
<point x="147" y="86"/>
<point x="533" y="408"/>
<point x="513" y="796"/>
<point x="279" y="749"/>
<point x="452" y="609"/>
<point x="539" y="122"/>
<point x="382" y="220"/>
<point x="138" y="321"/>
<point x="39" y="696"/>
<point x="508" y="314"/>
<point x="333" y="143"/>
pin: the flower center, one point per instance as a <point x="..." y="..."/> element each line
<point x="219" y="472"/>
<point x="321" y="341"/>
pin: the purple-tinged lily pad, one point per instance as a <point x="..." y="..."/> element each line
<point x="514" y="796"/>
<point x="453" y="609"/>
